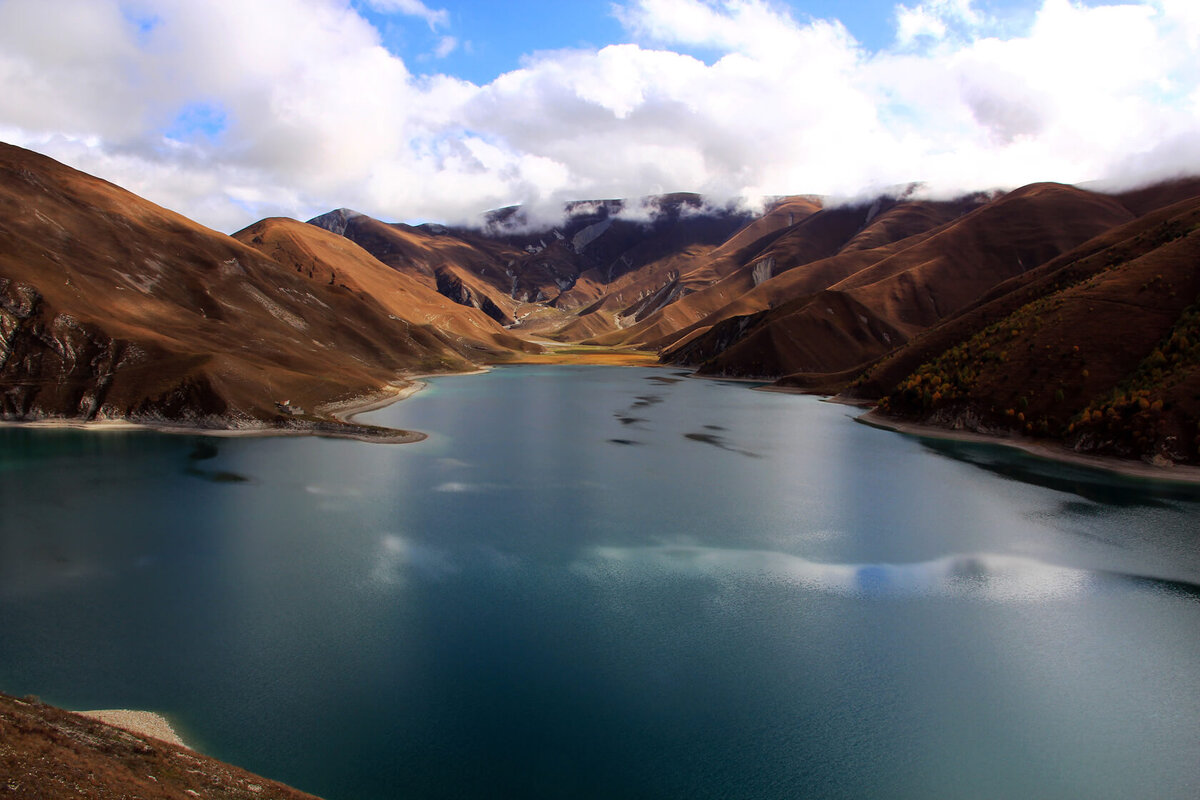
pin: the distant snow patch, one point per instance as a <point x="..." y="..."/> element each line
<point x="589" y="234"/>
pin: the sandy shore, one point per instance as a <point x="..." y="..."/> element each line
<point x="332" y="429"/>
<point x="143" y="723"/>
<point x="336" y="419"/>
<point x="1131" y="469"/>
<point x="338" y="422"/>
<point x="346" y="410"/>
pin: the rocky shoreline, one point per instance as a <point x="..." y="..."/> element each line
<point x="333" y="420"/>
<point x="47" y="753"/>
<point x="1141" y="470"/>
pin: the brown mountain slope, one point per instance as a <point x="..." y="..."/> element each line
<point x="1120" y="244"/>
<point x="516" y="275"/>
<point x="113" y="307"/>
<point x="1016" y="233"/>
<point x="1100" y="348"/>
<point x="812" y="237"/>
<point x="463" y="271"/>
<point x="642" y="306"/>
<point x="920" y="280"/>
<point x="637" y="295"/>
<point x="47" y="754"/>
<point x="1159" y="195"/>
<point x="780" y="270"/>
<point x="432" y="317"/>
<point x="610" y="240"/>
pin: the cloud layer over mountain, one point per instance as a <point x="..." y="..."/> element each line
<point x="230" y="111"/>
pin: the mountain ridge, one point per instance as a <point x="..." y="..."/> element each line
<point x="112" y="308"/>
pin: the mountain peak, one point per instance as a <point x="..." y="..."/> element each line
<point x="335" y="221"/>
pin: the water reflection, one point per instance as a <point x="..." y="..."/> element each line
<point x="1091" y="484"/>
<point x="206" y="450"/>
<point x="1184" y="589"/>
<point x="718" y="442"/>
<point x="216" y="476"/>
<point x="203" y="450"/>
<point x="644" y="401"/>
<point x="461" y="487"/>
<point x="398" y="556"/>
<point x="984" y="575"/>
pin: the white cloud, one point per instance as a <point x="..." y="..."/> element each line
<point x="732" y="25"/>
<point x="313" y="113"/>
<point x="935" y="20"/>
<point x="415" y="8"/>
<point x="446" y="46"/>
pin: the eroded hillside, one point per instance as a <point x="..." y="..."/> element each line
<point x="114" y="308"/>
<point x="1049" y="310"/>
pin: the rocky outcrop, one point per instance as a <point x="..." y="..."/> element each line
<point x="51" y="364"/>
<point x="451" y="286"/>
<point x="763" y="270"/>
<point x="335" y="221"/>
<point x="718" y="339"/>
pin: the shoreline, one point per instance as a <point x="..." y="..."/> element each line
<point x="338" y="423"/>
<point x="1139" y="470"/>
<point x="140" y="723"/>
<point x="1179" y="474"/>
<point x="335" y="420"/>
<point x="332" y="429"/>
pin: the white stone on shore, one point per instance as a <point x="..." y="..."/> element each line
<point x="145" y="723"/>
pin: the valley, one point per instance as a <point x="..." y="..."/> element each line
<point x="1050" y="312"/>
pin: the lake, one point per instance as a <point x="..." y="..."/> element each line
<point x="614" y="582"/>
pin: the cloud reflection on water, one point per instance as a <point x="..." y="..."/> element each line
<point x="397" y="557"/>
<point x="996" y="577"/>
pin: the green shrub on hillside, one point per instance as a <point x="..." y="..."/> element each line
<point x="1134" y="414"/>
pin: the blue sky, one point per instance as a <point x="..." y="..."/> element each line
<point x="232" y="110"/>
<point x="493" y="37"/>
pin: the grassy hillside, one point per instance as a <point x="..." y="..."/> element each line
<point x="1098" y="349"/>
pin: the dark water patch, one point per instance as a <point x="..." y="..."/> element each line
<point x="707" y="438"/>
<point x="743" y="384"/>
<point x="1095" y="485"/>
<point x="624" y="441"/>
<point x="643" y="401"/>
<point x="629" y="420"/>
<point x="207" y="450"/>
<point x="718" y="441"/>
<point x="1077" y="508"/>
<point x="714" y="428"/>
<point x="203" y="450"/>
<point x="663" y="381"/>
<point x="1183" y="589"/>
<point x="216" y="476"/>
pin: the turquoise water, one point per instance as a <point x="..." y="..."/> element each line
<point x="606" y="582"/>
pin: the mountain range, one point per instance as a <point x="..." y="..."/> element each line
<point x="1052" y="311"/>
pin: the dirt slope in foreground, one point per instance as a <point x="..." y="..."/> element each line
<point x="47" y="753"/>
